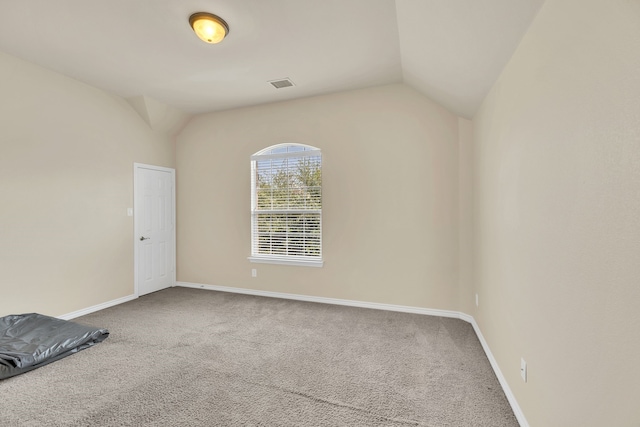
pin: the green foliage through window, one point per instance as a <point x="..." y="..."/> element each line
<point x="287" y="201"/>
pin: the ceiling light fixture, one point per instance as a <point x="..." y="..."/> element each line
<point x="209" y="27"/>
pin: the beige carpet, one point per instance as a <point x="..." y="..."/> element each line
<point x="189" y="357"/>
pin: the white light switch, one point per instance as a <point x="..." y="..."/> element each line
<point x="129" y="211"/>
<point x="254" y="272"/>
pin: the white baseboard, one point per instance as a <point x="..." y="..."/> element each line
<point x="98" y="307"/>
<point x="517" y="411"/>
<point x="390" y="307"/>
<point x="323" y="300"/>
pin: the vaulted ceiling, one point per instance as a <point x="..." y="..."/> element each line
<point x="450" y="50"/>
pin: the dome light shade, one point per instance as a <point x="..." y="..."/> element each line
<point x="209" y="27"/>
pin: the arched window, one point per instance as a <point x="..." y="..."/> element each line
<point x="286" y="205"/>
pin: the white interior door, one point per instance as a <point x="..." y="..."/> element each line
<point x="154" y="212"/>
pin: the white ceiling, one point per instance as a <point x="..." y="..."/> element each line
<point x="451" y="50"/>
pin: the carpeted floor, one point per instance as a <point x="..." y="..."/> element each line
<point x="189" y="357"/>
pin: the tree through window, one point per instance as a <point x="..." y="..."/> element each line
<point x="286" y="204"/>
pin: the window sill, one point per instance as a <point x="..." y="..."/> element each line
<point x="287" y="261"/>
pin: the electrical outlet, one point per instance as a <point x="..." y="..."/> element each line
<point x="523" y="370"/>
<point x="254" y="272"/>
<point x="476" y="300"/>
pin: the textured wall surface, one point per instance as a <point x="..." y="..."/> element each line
<point x="66" y="181"/>
<point x="389" y="192"/>
<point x="557" y="215"/>
<point x="466" y="302"/>
<point x="537" y="211"/>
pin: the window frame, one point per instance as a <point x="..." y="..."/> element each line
<point x="285" y="259"/>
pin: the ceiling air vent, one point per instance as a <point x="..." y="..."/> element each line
<point x="279" y="84"/>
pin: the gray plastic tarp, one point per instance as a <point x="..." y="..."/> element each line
<point x="28" y="341"/>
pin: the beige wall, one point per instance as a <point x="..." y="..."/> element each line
<point x="534" y="206"/>
<point x="466" y="294"/>
<point x="557" y="215"/>
<point x="389" y="192"/>
<point x="66" y="180"/>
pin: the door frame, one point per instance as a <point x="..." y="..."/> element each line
<point x="136" y="232"/>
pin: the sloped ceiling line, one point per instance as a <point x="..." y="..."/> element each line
<point x="452" y="51"/>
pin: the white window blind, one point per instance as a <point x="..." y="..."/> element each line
<point x="286" y="204"/>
